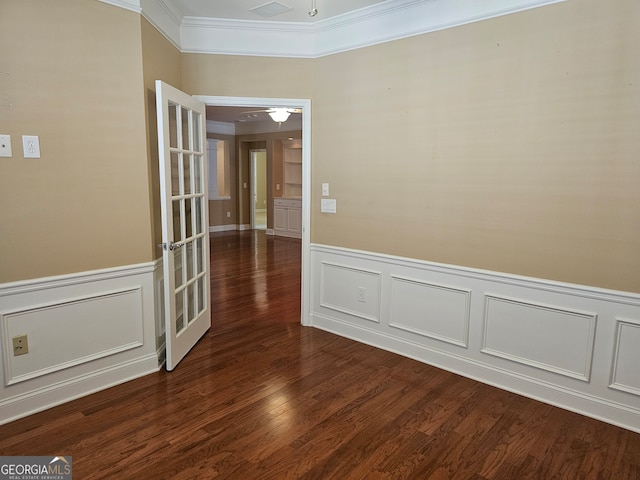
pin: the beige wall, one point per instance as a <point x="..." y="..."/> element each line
<point x="511" y="145"/>
<point x="71" y="73"/>
<point x="241" y="76"/>
<point x="161" y="61"/>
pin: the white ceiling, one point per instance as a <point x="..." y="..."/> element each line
<point x="250" y="119"/>
<point x="249" y="9"/>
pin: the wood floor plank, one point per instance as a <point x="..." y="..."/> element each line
<point x="261" y="397"/>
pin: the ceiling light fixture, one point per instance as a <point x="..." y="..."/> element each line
<point x="314" y="11"/>
<point x="279" y="115"/>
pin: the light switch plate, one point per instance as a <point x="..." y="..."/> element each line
<point x="31" y="146"/>
<point x="5" y="146"/>
<point x="325" y="189"/>
<point x="328" y="205"/>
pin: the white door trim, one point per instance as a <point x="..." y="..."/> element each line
<point x="305" y="104"/>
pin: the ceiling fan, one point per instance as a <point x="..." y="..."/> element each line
<point x="278" y="114"/>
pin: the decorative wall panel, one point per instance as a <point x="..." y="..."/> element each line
<point x="351" y="291"/>
<point x="552" y="338"/>
<point x="69" y="332"/>
<point x="625" y="374"/>
<point x="431" y="310"/>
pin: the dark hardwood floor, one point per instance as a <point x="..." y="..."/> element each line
<point x="260" y="397"/>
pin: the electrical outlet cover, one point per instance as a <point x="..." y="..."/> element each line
<point x="31" y="146"/>
<point x="5" y="146"/>
<point x="328" y="205"/>
<point x="20" y="345"/>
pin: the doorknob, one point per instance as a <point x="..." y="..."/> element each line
<point x="172" y="246"/>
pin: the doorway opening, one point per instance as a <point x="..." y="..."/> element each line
<point x="258" y="159"/>
<point x="304" y="107"/>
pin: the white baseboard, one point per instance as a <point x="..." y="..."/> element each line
<point x="86" y="331"/>
<point x="223" y="228"/>
<point x="51" y="395"/>
<point x="287" y="233"/>
<point x="567" y="345"/>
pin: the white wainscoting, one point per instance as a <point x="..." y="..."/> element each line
<point x="572" y="346"/>
<point x="158" y="281"/>
<point x="352" y="291"/>
<point x="86" y="332"/>
<point x="625" y="371"/>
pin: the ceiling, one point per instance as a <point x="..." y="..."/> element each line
<point x="236" y="114"/>
<point x="248" y="115"/>
<point x="269" y="10"/>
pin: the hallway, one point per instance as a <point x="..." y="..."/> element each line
<point x="255" y="278"/>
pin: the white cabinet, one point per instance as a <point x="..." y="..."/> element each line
<point x="287" y="217"/>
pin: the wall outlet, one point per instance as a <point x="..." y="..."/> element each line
<point x="362" y="294"/>
<point x="228" y="214"/>
<point x="31" y="146"/>
<point x="20" y="345"/>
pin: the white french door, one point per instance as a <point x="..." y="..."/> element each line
<point x="185" y="219"/>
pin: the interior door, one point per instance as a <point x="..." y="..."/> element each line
<point x="185" y="232"/>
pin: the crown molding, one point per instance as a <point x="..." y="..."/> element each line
<point x="383" y="22"/>
<point x="409" y="19"/>
<point x="247" y="37"/>
<point x="133" y="5"/>
<point x="165" y="18"/>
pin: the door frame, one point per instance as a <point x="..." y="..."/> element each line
<point x="253" y="182"/>
<point x="305" y="105"/>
